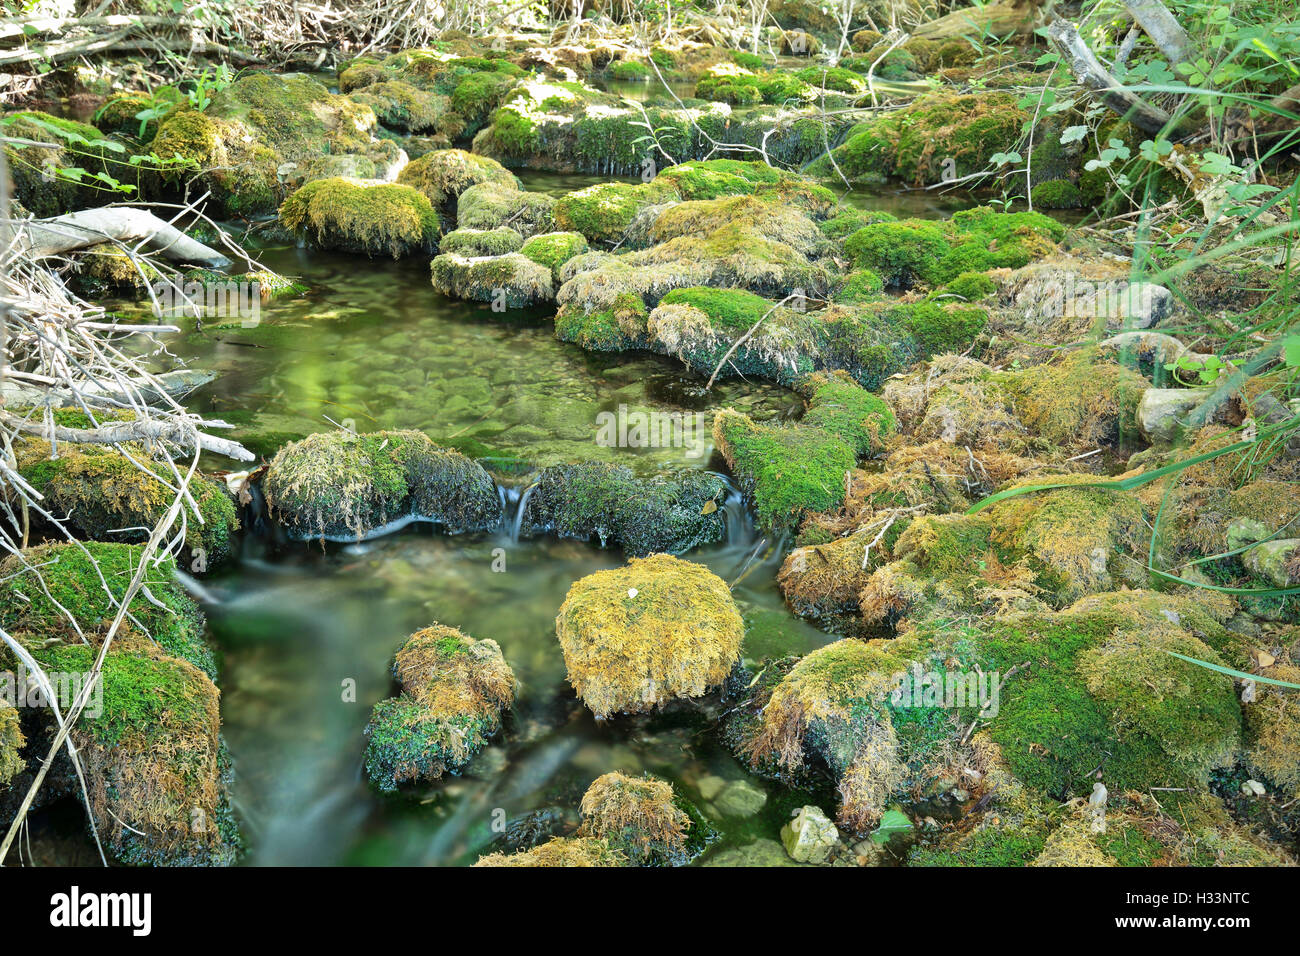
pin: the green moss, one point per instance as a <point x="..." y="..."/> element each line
<point x="34" y="169"/>
<point x="914" y="143"/>
<point x="489" y="206"/>
<point x="511" y="280"/>
<point x="629" y="70"/>
<point x="337" y="484"/>
<point x="481" y="242"/>
<point x="554" y="249"/>
<point x="103" y="492"/>
<point x="655" y="630"/>
<point x="1056" y="194"/>
<point x="619" y="328"/>
<point x="454" y="690"/>
<point x="602" y="213"/>
<point x="971" y="286"/>
<point x="369" y="218"/>
<point x="669" y="513"/>
<point x="794" y="470"/>
<point x="442" y="175"/>
<point x="900" y="252"/>
<point x="402" y="106"/>
<point x="81" y="581"/>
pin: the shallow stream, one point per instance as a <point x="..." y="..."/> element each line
<point x="308" y="632"/>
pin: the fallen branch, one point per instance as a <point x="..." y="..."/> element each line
<point x="1089" y="72"/>
<point x="43" y="238"/>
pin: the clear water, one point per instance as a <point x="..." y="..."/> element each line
<point x="308" y="633"/>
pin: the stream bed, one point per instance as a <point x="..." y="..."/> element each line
<point x="308" y="631"/>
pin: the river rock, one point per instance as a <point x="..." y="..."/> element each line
<point x="1270" y="560"/>
<point x="1162" y="412"/>
<point x="509" y="281"/>
<point x="740" y="798"/>
<point x="810" y="836"/>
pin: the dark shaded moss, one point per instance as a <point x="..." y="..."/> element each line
<point x="670" y="513"/>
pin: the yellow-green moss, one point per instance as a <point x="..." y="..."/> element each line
<point x="658" y="629"/>
<point x="561" y="851"/>
<point x="372" y="218"/>
<point x="453" y="691"/>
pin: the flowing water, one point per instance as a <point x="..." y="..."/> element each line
<point x="308" y="631"/>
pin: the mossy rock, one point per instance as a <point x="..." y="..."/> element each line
<point x="509" y="281"/>
<point x="260" y="136"/>
<point x="34" y="169"/>
<point x="492" y="206"/>
<point x="153" y="757"/>
<point x="603" y="212"/>
<point x="402" y="106"/>
<point x="12" y="742"/>
<point x="444" y="174"/>
<point x="345" y="486"/>
<point x="915" y="142"/>
<point x="791" y="471"/>
<point x="668" y="513"/>
<point x="107" y="268"/>
<point x="1056" y="194"/>
<point x="453" y="692"/>
<point x="88" y="580"/>
<point x="828" y="709"/>
<point x="120" y="113"/>
<point x="640" y="817"/>
<point x="104" y="492"/>
<point x="362" y="216"/>
<point x="554" y="249"/>
<point x="1074" y="710"/>
<point x="473" y="243"/>
<point x="913" y="251"/>
<point x="561" y="851"/>
<point x="656" y="630"/>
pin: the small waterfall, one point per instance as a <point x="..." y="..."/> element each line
<point x="513" y="504"/>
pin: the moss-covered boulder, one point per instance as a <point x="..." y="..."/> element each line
<point x="1032" y="551"/>
<point x="430" y="90"/>
<point x="107" y="496"/>
<point x="638" y="816"/>
<point x="473" y="243"/>
<point x="1095" y="692"/>
<point x="154" y="758"/>
<point x="790" y="471"/>
<point x="510" y="281"/>
<point x="362" y="216"/>
<point x="919" y="251"/>
<point x="444" y="174"/>
<point x="655" y="630"/>
<point x="137" y="114"/>
<point x="1273" y="729"/>
<point x="49" y="582"/>
<point x="767" y="246"/>
<point x="1073" y="404"/>
<point x="828" y="710"/>
<point x="602" y="213"/>
<point x="345" y="486"/>
<point x="399" y="105"/>
<point x="561" y="851"/>
<point x="39" y="145"/>
<point x="554" y="249"/>
<point x="266" y="134"/>
<point x="669" y="513"/>
<point x="493" y="206"/>
<point x="453" y="692"/>
<point x="916" y="142"/>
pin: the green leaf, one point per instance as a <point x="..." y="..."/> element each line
<point x="1073" y="134"/>
<point x="1231" y="673"/>
<point x="891" y="822"/>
